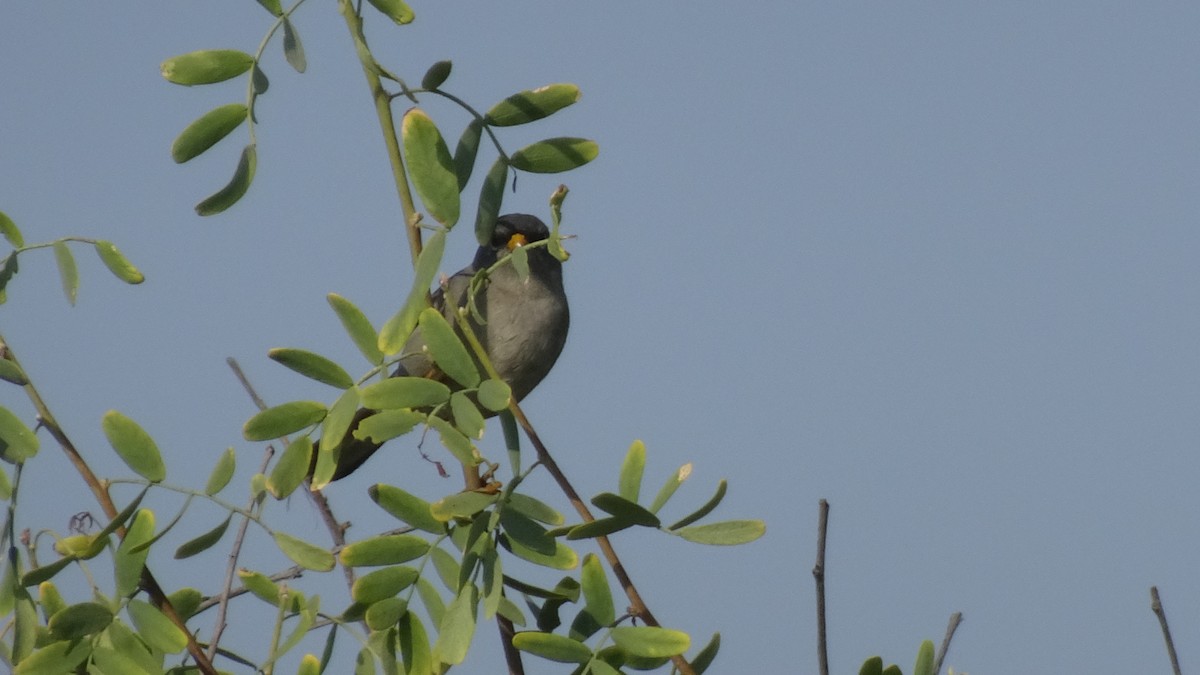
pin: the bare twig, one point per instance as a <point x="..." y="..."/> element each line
<point x="955" y="619"/>
<point x="818" y="573"/>
<point x="512" y="655"/>
<point x="1157" y="607"/>
<point x="148" y="582"/>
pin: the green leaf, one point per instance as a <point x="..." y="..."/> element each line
<point x="893" y="670"/>
<point x="532" y="104"/>
<point x="135" y="447"/>
<point x="391" y="549"/>
<point x="924" y="664"/>
<point x="358" y="326"/>
<point x="396" y="331"/>
<point x="79" y="620"/>
<point x="313" y="366"/>
<point x="436" y="75"/>
<point x="222" y="472"/>
<point x="466" y="151"/>
<point x="261" y="586"/>
<point x="258" y="79"/>
<point x="206" y="67"/>
<point x="467" y="417"/>
<point x="128" y="561"/>
<point x="235" y="189"/>
<point x="491" y="196"/>
<point x="409" y="508"/>
<point x="431" y="167"/>
<point x="597" y="595"/>
<point x="388" y="424"/>
<point x="703" y="510"/>
<point x="11" y="372"/>
<point x="37" y="575"/>
<point x="625" y="509"/>
<point x="385" y="613"/>
<point x="555" y="155"/>
<point x="68" y="272"/>
<point x="520" y="262"/>
<point x="293" y="51"/>
<point x="12" y="234"/>
<point x="563" y="559"/>
<point x="494" y="395"/>
<point x="601" y="527"/>
<point x="457" y="627"/>
<point x="631" y="471"/>
<point x="527" y="532"/>
<point x="459" y="445"/>
<point x="461" y="505"/>
<point x="185" y="601"/>
<point x="396" y="10"/>
<point x="668" y="489"/>
<point x="116" y="263"/>
<point x="203" y="542"/>
<point x="706" y="656"/>
<point x="7" y="272"/>
<point x="5" y="490"/>
<point x="17" y="442"/>
<point x="282" y="420"/>
<point x="404" y="392"/>
<point x="57" y="657"/>
<point x="383" y="583"/>
<point x="414" y="645"/>
<point x="726" y="533"/>
<point x="50" y="599"/>
<point x="539" y="511"/>
<point x="303" y="553"/>
<point x="289" y="472"/>
<point x="432" y="600"/>
<point x="650" y="640"/>
<point x="155" y="628"/>
<point x="447" y="350"/>
<point x="272" y="6"/>
<point x="553" y="647"/>
<point x="207" y="130"/>
<point x="872" y="666"/>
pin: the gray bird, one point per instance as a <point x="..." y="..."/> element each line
<point x="524" y="321"/>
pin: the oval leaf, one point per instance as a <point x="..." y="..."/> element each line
<point x="459" y="445"/>
<point x="303" y="553"/>
<point x="708" y="507"/>
<point x="555" y="155"/>
<point x="491" y="196"/>
<point x="312" y="365"/>
<point x="532" y="104"/>
<point x="229" y="195"/>
<point x="203" y="542"/>
<point x="68" y="272"/>
<point x="12" y="234"/>
<point x="289" y="472"/>
<point x="390" y="549"/>
<point x="436" y="75"/>
<point x="539" y="511"/>
<point x="625" y="509"/>
<point x="407" y="507"/>
<point x="396" y="10"/>
<point x="155" y="628"/>
<point x="206" y="67"/>
<point x="384" y="583"/>
<point x="384" y="614"/>
<point x="632" y="469"/>
<point x="134" y="446"/>
<point x="293" y="51"/>
<point x="596" y="593"/>
<point x="404" y="392"/>
<point x="11" y="372"/>
<point x="650" y="640"/>
<point x="128" y="561"/>
<point x="283" y="419"/>
<point x="79" y="620"/>
<point x="727" y="533"/>
<point x="19" y="442"/>
<point x="221" y="473"/>
<point x="385" y="425"/>
<point x="448" y="351"/>
<point x="494" y="395"/>
<point x="467" y="417"/>
<point x="553" y="647"/>
<point x="431" y="167"/>
<point x="207" y="130"/>
<point x="395" y="333"/>
<point x="461" y="505"/>
<point x="466" y="151"/>
<point x="116" y="263"/>
<point x="358" y="326"/>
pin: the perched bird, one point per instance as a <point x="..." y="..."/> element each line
<point x="523" y="328"/>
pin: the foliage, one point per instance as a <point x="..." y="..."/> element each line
<point x="416" y="593"/>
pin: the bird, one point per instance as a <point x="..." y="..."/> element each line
<point x="522" y="322"/>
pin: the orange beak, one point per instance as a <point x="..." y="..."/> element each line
<point x="516" y="240"/>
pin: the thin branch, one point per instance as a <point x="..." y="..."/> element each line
<point x="293" y="572"/>
<point x="1157" y="607"/>
<point x="148" y="582"/>
<point x="512" y="655"/>
<point x="818" y="573"/>
<point x="955" y="619"/>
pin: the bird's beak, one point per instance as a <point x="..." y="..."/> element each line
<point x="516" y="240"/>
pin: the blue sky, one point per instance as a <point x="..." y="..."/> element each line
<point x="934" y="263"/>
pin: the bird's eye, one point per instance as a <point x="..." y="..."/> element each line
<point x="516" y="240"/>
